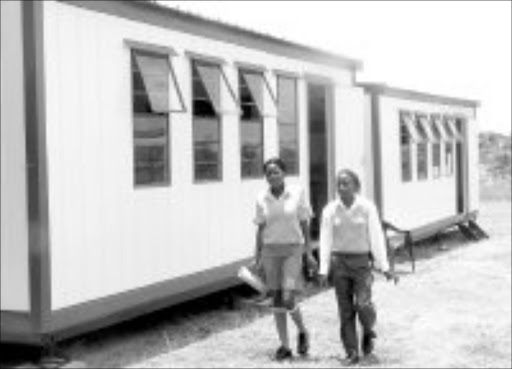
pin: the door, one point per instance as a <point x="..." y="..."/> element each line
<point x="318" y="152"/>
<point x="461" y="168"/>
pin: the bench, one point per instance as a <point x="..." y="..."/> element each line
<point x="396" y="238"/>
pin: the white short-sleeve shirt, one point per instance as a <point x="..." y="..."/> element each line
<point x="282" y="216"/>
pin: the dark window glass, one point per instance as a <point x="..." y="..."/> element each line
<point x="405" y="153"/>
<point x="448" y="157"/>
<point x="206" y="121"/>
<point x="288" y="123"/>
<point x="422" y="153"/>
<point x="251" y="123"/>
<point x="436" y="159"/>
<point x="422" y="161"/>
<point x="150" y="92"/>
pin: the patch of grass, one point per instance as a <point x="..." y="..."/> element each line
<point x="497" y="189"/>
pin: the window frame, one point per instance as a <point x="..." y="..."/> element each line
<point x="259" y="120"/>
<point x="295" y="124"/>
<point x="216" y="117"/>
<point x="164" y="54"/>
<point x="422" y="157"/>
<point x="404" y="131"/>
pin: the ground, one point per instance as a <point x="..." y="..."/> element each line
<point x="454" y="311"/>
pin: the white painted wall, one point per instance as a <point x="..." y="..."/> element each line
<point x="416" y="203"/>
<point x="107" y="237"/>
<point x="351" y="134"/>
<point x="14" y="226"/>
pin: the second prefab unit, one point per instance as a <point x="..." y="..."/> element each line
<point x="425" y="158"/>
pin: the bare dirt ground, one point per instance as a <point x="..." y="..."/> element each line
<point x="455" y="311"/>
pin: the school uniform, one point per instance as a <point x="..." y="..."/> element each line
<point x="351" y="241"/>
<point x="283" y="240"/>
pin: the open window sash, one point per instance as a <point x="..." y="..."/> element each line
<point x="259" y="86"/>
<point x="231" y="92"/>
<point x="438" y="122"/>
<point x="210" y="77"/>
<point x="162" y="95"/>
<point x="410" y="127"/>
<point x="425" y="123"/>
<point x="452" y="130"/>
<point x="271" y="108"/>
<point x="456" y="133"/>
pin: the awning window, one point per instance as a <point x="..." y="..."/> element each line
<point x="261" y="92"/>
<point x="163" y="95"/>
<point x="254" y="82"/>
<point x="407" y="120"/>
<point x="438" y="126"/>
<point x="210" y="79"/>
<point x="456" y="132"/>
<point x="451" y="129"/>
<point x="425" y="128"/>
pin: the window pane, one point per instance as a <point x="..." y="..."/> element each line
<point x="203" y="108"/>
<point x="421" y="131"/>
<point x="208" y="78"/>
<point x="286" y="100"/>
<point x="405" y="137"/>
<point x="206" y="130"/>
<point x="252" y="167"/>
<point x="252" y="160"/>
<point x="250" y="112"/>
<point x="251" y="94"/>
<point x="288" y="133"/>
<point x="151" y="64"/>
<point x="435" y="131"/>
<point x="448" y="128"/>
<point x="422" y="161"/>
<point x="252" y="132"/>
<point x="154" y="72"/>
<point x="206" y="152"/>
<point x="449" y="158"/>
<point x="406" y="163"/>
<point x="436" y="159"/>
<point x="150" y="164"/>
<point x="289" y="154"/>
<point x="206" y="171"/>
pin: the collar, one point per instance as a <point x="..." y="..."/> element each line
<point x="341" y="205"/>
<point x="286" y="193"/>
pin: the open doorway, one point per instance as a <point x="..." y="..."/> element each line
<point x="318" y="132"/>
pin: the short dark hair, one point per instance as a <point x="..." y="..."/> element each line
<point x="353" y="176"/>
<point x="276" y="161"/>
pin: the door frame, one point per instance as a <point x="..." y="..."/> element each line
<point x="328" y="87"/>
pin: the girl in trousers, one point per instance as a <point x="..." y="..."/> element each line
<point x="282" y="216"/>
<point x="351" y="241"/>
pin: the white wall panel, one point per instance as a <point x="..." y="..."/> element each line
<point x="14" y="225"/>
<point x="106" y="236"/>
<point x="350" y="132"/>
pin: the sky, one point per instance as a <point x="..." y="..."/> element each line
<point x="452" y="48"/>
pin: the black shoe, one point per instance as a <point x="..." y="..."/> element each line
<point x="352" y="358"/>
<point x="283" y="353"/>
<point x="368" y="343"/>
<point x="303" y="343"/>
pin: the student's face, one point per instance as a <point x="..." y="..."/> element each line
<point x="347" y="188"/>
<point x="274" y="175"/>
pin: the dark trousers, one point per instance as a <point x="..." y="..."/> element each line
<point x="352" y="279"/>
